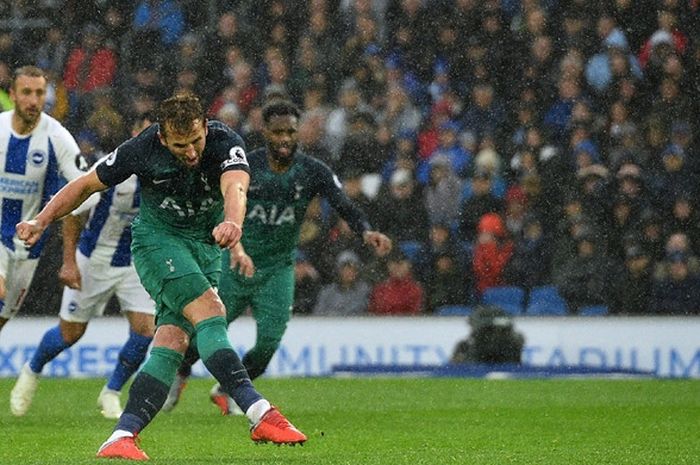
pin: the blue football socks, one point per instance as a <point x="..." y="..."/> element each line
<point x="130" y="357"/>
<point x="50" y="346"/>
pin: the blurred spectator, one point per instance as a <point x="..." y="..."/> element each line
<point x="480" y="202"/>
<point x="683" y="218"/>
<point x="164" y="17"/>
<point x="52" y="53"/>
<point x="360" y="150"/>
<point x="352" y="186"/>
<point x="515" y="210"/>
<point x="337" y="124"/>
<point x="306" y="284"/>
<point x="634" y="292"/>
<point x="665" y="39"/>
<point x="241" y="90"/>
<point x="311" y="135"/>
<point x="671" y="103"/>
<point x="252" y="129"/>
<point x="487" y="160"/>
<point x="90" y="66"/>
<point x="230" y="115"/>
<point x="448" y="145"/>
<point x="399" y="112"/>
<point x="348" y="295"/>
<point x="446" y="283"/>
<point x="652" y="233"/>
<point x="492" y="252"/>
<point x="325" y="40"/>
<point x="305" y="71"/>
<point x="678" y="293"/>
<point x="594" y="191"/>
<point x="399" y="293"/>
<point x="676" y="243"/>
<point x="5" y="82"/>
<point x="558" y="115"/>
<point x="403" y="216"/>
<point x="674" y="178"/>
<point x="529" y="265"/>
<point x="106" y="121"/>
<point x="585" y="279"/>
<point x="613" y="61"/>
<point x="485" y="114"/>
<point x="443" y="191"/>
<point x="313" y="235"/>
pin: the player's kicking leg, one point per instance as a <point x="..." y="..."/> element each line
<point x="223" y="401"/>
<point x="183" y="373"/>
<point x="150" y="388"/>
<point x="54" y="341"/>
<point x="132" y="354"/>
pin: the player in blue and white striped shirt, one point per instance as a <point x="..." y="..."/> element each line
<point x="37" y="155"/>
<point x="102" y="265"/>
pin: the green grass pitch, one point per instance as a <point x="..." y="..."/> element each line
<point x="392" y="421"/>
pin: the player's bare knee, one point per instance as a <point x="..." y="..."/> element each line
<point x="72" y="331"/>
<point x="171" y="337"/>
<point x="142" y="324"/>
<point x="206" y="306"/>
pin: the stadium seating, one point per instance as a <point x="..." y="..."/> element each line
<point x="454" y="310"/>
<point x="546" y="301"/>
<point x="510" y="298"/>
<point x="593" y="310"/>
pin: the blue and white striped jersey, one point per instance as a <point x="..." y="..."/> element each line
<point x="107" y="234"/>
<point x="32" y="168"/>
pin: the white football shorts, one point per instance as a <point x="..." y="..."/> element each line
<point x="18" y="274"/>
<point x="99" y="282"/>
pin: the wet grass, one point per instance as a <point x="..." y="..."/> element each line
<point x="392" y="421"/>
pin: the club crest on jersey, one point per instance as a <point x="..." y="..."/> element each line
<point x="37" y="158"/>
<point x="236" y="156"/>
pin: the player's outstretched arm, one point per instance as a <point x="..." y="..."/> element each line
<point x="65" y="201"/>
<point x="380" y="242"/>
<point x="234" y="188"/>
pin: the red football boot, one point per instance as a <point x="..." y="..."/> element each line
<point x="123" y="448"/>
<point x="274" y="427"/>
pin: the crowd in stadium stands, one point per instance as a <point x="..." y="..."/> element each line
<point x="525" y="144"/>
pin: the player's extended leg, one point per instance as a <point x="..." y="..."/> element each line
<point x="150" y="388"/>
<point x="54" y="341"/>
<point x="236" y="292"/>
<point x="147" y="394"/>
<point x="183" y="374"/>
<point x="272" y="298"/>
<point x="272" y="307"/>
<point x="207" y="314"/>
<point x="132" y="354"/>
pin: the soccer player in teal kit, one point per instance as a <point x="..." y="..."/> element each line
<point x="194" y="178"/>
<point x="259" y="271"/>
